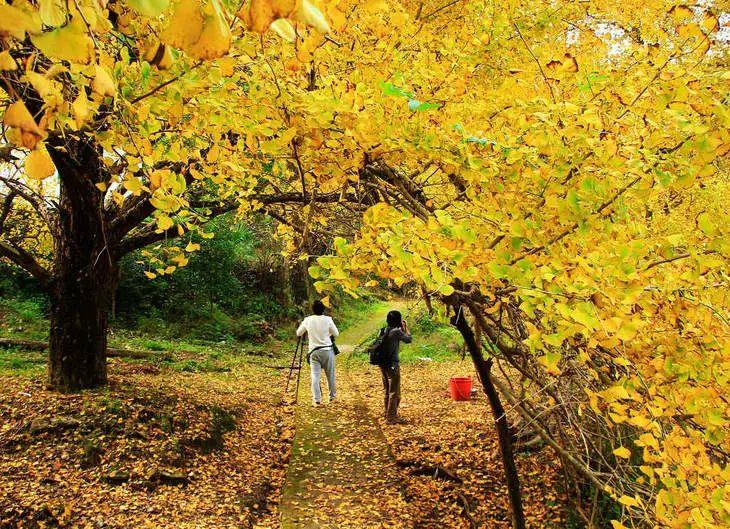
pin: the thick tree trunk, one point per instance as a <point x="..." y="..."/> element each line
<point x="85" y="275"/>
<point x="79" y="319"/>
<point x="484" y="368"/>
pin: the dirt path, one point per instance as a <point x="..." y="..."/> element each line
<point x="341" y="473"/>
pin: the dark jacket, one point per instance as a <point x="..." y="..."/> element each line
<point x="394" y="336"/>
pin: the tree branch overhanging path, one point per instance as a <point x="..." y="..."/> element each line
<point x="552" y="171"/>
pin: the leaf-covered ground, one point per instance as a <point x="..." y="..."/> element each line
<point x="459" y="438"/>
<point x="440" y="470"/>
<point x="158" y="448"/>
<point x="204" y="440"/>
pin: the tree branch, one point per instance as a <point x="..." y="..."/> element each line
<point x="145" y="237"/>
<point x="140" y="207"/>
<point x="7" y="207"/>
<point x="37" y="202"/>
<point x="26" y="261"/>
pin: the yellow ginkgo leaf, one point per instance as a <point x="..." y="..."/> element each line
<point x="180" y="259"/>
<point x="261" y="13"/>
<point x="185" y="27"/>
<point x="623" y="452"/>
<point x="308" y="13"/>
<point x="133" y="185"/>
<point x="149" y="8"/>
<point x="14" y="22"/>
<point x="103" y="84"/>
<point x="7" y="62"/>
<point x="159" y="54"/>
<point x="202" y="32"/>
<point x="710" y="23"/>
<point x="164" y="201"/>
<point x="52" y="12"/>
<point x="680" y="12"/>
<point x="49" y="90"/>
<point x="376" y="6"/>
<point x="629" y="501"/>
<point x="164" y="222"/>
<point x="38" y="164"/>
<point x="80" y="108"/>
<point x="215" y="40"/>
<point x="18" y="117"/>
<point x="284" y="29"/>
<point x="70" y="43"/>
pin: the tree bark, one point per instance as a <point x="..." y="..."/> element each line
<point x="483" y="368"/>
<point x="78" y="337"/>
<point x="85" y="275"/>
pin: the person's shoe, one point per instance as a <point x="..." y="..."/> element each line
<point x="333" y="400"/>
<point x="397" y="420"/>
<point x="316" y="404"/>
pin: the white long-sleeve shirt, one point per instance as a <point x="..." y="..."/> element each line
<point x="318" y="329"/>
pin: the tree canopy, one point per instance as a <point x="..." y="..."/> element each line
<point x="552" y="170"/>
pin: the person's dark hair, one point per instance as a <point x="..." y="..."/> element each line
<point x="318" y="308"/>
<point x="394" y="319"/>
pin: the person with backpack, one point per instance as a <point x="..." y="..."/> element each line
<point x="385" y="354"/>
<point x="321" y="332"/>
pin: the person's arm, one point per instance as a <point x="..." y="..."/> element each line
<point x="302" y="328"/>
<point x="405" y="335"/>
<point x="333" y="329"/>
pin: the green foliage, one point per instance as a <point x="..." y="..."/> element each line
<point x="15" y="361"/>
<point x="23" y="306"/>
<point x="351" y="311"/>
<point x="232" y="289"/>
<point x="433" y="338"/>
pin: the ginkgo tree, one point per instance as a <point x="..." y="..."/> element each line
<point x="121" y="131"/>
<point x="551" y="170"/>
<point x="554" y="172"/>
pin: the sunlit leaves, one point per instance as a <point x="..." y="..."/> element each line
<point x="38" y="164"/>
<point x="573" y="179"/>
<point x="80" y="109"/>
<point x="17" y="117"/>
<point x="309" y="14"/>
<point x="201" y="30"/>
<point x="284" y="29"/>
<point x="15" y="22"/>
<point x="7" y="62"/>
<point x="150" y="8"/>
<point x="262" y="14"/>
<point x="52" y="12"/>
<point x="70" y="42"/>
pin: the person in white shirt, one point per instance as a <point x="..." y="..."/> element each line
<point x="320" y="330"/>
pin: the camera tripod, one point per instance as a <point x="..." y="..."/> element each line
<point x="296" y="365"/>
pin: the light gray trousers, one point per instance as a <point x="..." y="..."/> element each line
<point x="322" y="359"/>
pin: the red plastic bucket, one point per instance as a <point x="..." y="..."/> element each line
<point x="460" y="388"/>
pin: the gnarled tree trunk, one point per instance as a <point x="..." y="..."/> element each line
<point x="85" y="277"/>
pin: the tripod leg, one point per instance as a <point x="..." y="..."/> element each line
<point x="293" y="363"/>
<point x="299" y="373"/>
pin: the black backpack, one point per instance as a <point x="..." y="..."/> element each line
<point x="379" y="351"/>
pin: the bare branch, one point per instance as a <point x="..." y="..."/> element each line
<point x="7" y="207"/>
<point x="26" y="261"/>
<point x="36" y="201"/>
